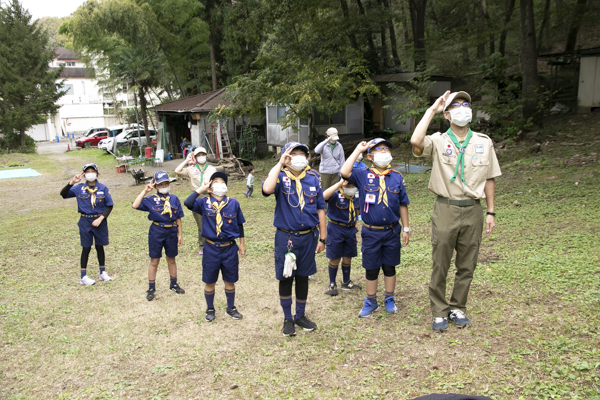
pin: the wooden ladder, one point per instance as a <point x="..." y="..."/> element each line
<point x="225" y="145"/>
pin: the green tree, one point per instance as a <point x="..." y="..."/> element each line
<point x="28" y="87"/>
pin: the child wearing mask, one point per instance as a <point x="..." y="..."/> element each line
<point x="94" y="205"/>
<point x="165" y="212"/>
<point x="199" y="173"/>
<point x="383" y="202"/>
<point x="222" y="224"/>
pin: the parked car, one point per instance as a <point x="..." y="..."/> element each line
<point x="93" y="130"/>
<point x="91" y="140"/>
<point x="115" y="131"/>
<point x="132" y="137"/>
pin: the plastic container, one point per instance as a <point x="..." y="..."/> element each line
<point x="148" y="152"/>
<point x="169" y="157"/>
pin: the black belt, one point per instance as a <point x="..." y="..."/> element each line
<point x="221" y="244"/>
<point x="460" y="203"/>
<point x="91" y="215"/>
<point x="298" y="232"/>
<point x="163" y="225"/>
<point x="381" y="226"/>
<point x="342" y="224"/>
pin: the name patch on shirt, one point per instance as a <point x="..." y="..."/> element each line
<point x="312" y="188"/>
<point x="370" y="198"/>
<point x="100" y="192"/>
<point x="479" y="148"/>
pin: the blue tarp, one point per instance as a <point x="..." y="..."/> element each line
<point x="413" y="169"/>
<point x="19" y="173"/>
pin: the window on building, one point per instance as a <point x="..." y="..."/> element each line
<point x="272" y="111"/>
<point x="321" y="119"/>
<point x="338" y="118"/>
<point x="303" y="121"/>
<point x="280" y="112"/>
<point x="70" y="64"/>
<point x="69" y="88"/>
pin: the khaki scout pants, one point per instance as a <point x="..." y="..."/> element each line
<point x="453" y="228"/>
<point x="201" y="240"/>
<point x="328" y="180"/>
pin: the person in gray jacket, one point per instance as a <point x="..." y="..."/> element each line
<point x="332" y="158"/>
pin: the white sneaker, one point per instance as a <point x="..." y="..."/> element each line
<point x="87" y="281"/>
<point x="104" y="277"/>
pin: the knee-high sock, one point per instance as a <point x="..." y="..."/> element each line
<point x="85" y="253"/>
<point x="210" y="298"/>
<point x="301" y="295"/>
<point x="285" y="297"/>
<point x="345" y="272"/>
<point x="230" y="294"/>
<point x="333" y="270"/>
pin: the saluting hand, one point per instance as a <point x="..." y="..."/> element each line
<point x="286" y="157"/>
<point x="76" y="178"/>
<point x="490" y="223"/>
<point x="440" y="103"/>
<point x="149" y="187"/>
<point x="363" y="146"/>
<point x="204" y="188"/>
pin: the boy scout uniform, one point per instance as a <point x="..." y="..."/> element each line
<point x="91" y="203"/>
<point x="163" y="210"/>
<point x="343" y="212"/>
<point x="457" y="220"/>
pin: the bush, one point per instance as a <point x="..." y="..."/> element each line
<point x="11" y="143"/>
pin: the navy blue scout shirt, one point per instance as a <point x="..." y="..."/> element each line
<point x="338" y="208"/>
<point x="367" y="182"/>
<point x="231" y="215"/>
<point x="84" y="198"/>
<point x="288" y="215"/>
<point x="155" y="206"/>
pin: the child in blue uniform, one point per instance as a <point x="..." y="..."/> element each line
<point x="383" y="202"/>
<point x="301" y="229"/>
<point x="222" y="223"/>
<point x="343" y="210"/>
<point x="94" y="204"/>
<point x="165" y="212"/>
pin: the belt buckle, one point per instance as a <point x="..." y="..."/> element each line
<point x="463" y="203"/>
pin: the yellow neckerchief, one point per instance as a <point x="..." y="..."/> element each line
<point x="382" y="191"/>
<point x="92" y="192"/>
<point x="218" y="206"/>
<point x="297" y="179"/>
<point x="167" y="207"/>
<point x="351" y="210"/>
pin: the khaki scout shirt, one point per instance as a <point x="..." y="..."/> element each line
<point x="193" y="173"/>
<point x="481" y="164"/>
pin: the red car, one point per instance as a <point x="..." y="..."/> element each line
<point x="91" y="140"/>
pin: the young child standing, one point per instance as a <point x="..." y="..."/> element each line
<point x="343" y="210"/>
<point x="165" y="212"/>
<point x="250" y="183"/>
<point x="94" y="204"/>
<point x="384" y="202"/>
<point x="301" y="229"/>
<point x="222" y="223"/>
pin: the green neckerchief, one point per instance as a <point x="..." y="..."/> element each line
<point x="332" y="145"/>
<point x="461" y="154"/>
<point x="202" y="172"/>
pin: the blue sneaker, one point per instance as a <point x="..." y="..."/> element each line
<point x="440" y="324"/>
<point x="390" y="305"/>
<point x="459" y="319"/>
<point x="368" y="308"/>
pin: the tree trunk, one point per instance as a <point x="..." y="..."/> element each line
<point x="509" y="7"/>
<point x="528" y="59"/>
<point x="544" y="27"/>
<point x="384" y="55"/>
<point x="417" y="18"/>
<point x="351" y="35"/>
<point x="575" y="24"/>
<point x="22" y="130"/>
<point x="213" y="69"/>
<point x="361" y="11"/>
<point x="480" y="32"/>
<point x="393" y="43"/>
<point x="405" y="28"/>
<point x="486" y="16"/>
<point x="144" y="112"/>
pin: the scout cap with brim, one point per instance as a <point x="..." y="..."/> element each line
<point x="160" y="177"/>
<point x="377" y="141"/>
<point x="90" y="165"/>
<point x="460" y="95"/>
<point x="332" y="133"/>
<point x="219" y="174"/>
<point x="199" y="150"/>
<point x="294" y="145"/>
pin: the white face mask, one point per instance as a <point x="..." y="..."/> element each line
<point x="349" y="191"/>
<point x="164" y="190"/>
<point x="461" y="116"/>
<point x="201" y="159"/>
<point x="382" y="159"/>
<point x="90" y="176"/>
<point x="298" y="163"/>
<point x="219" y="189"/>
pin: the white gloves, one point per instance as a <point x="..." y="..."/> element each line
<point x="289" y="265"/>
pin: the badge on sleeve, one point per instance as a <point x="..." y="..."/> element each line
<point x="371" y="198"/>
<point x="340" y="195"/>
<point x="371" y="176"/>
<point x="479" y="148"/>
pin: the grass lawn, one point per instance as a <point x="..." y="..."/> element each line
<point x="534" y="302"/>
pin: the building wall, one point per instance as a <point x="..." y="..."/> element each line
<point x="589" y="82"/>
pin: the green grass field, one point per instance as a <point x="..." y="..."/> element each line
<point x="534" y="302"/>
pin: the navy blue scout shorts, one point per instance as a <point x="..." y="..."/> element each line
<point x="224" y="259"/>
<point x="162" y="237"/>
<point x="303" y="246"/>
<point x="380" y="246"/>
<point x="88" y="234"/>
<point x="341" y="241"/>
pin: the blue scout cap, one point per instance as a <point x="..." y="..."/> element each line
<point x="161" y="176"/>
<point x="90" y="165"/>
<point x="294" y="145"/>
<point x="219" y="174"/>
<point x="377" y="141"/>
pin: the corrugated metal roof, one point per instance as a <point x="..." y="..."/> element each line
<point x="198" y="103"/>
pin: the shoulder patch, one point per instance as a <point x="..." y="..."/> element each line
<point x="313" y="172"/>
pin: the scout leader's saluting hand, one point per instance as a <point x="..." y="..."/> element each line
<point x="191" y="159"/>
<point x="440" y="103"/>
<point x="76" y="178"/>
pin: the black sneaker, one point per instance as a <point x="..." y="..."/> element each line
<point x="306" y="324"/>
<point x="210" y="315"/>
<point x="332" y="291"/>
<point x="150" y="294"/>
<point x="234" y="313"/>
<point x="177" y="289"/>
<point x="289" y="329"/>
<point x="350" y="286"/>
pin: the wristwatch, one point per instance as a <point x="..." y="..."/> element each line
<point x="406" y="229"/>
<point x="324" y="241"/>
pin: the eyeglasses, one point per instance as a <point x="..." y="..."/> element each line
<point x="465" y="104"/>
<point x="380" y="148"/>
